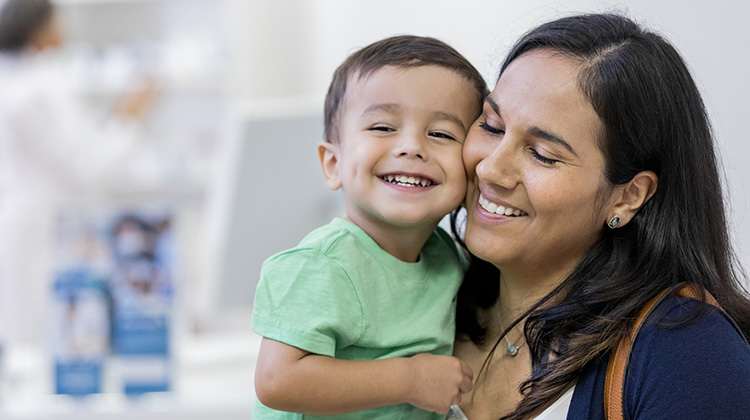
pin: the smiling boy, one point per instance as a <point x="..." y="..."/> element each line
<point x="360" y="315"/>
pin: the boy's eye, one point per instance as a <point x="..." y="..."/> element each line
<point x="383" y="128"/>
<point x="440" y="134"/>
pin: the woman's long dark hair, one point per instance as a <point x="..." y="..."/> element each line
<point x="20" y="21"/>
<point x="653" y="119"/>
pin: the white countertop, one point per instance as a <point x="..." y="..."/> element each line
<point x="213" y="379"/>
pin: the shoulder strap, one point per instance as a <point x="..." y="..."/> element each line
<point x="618" y="359"/>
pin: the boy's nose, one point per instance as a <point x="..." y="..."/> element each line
<point x="411" y="145"/>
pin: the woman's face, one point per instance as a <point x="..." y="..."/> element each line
<point x="534" y="170"/>
<point x="50" y="36"/>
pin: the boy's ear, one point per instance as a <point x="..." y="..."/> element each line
<point x="633" y="195"/>
<point x="328" y="155"/>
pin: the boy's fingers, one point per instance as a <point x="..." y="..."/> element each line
<point x="467" y="382"/>
<point x="466" y="369"/>
<point x="466" y="385"/>
<point x="467" y="372"/>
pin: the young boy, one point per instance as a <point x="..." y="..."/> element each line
<point x="360" y="315"/>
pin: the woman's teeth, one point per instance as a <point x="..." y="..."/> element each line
<point x="409" y="181"/>
<point x="494" y="208"/>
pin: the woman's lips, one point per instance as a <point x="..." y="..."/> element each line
<point x="504" y="210"/>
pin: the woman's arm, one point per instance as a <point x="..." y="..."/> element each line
<point x="293" y="380"/>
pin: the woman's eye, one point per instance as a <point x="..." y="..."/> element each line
<point x="442" y="135"/>
<point x="490" y="129"/>
<point x="543" y="159"/>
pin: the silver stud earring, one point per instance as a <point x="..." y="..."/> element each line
<point x="613" y="222"/>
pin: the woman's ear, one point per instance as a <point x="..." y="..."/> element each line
<point x="328" y="155"/>
<point x="632" y="196"/>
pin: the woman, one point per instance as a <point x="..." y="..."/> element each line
<point x="593" y="186"/>
<point x="53" y="150"/>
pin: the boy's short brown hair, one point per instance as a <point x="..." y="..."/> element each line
<point x="398" y="51"/>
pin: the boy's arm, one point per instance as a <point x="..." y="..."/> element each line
<point x="293" y="380"/>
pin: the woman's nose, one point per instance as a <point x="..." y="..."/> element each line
<point x="499" y="167"/>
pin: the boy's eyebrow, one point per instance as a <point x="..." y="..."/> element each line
<point x="450" y="117"/>
<point x="536" y="131"/>
<point x="396" y="107"/>
<point x="381" y="107"/>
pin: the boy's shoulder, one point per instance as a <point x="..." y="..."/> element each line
<point x="334" y="238"/>
<point x="343" y="240"/>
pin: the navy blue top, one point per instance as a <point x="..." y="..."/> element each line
<point x="697" y="371"/>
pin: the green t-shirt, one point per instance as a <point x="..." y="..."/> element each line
<point x="339" y="294"/>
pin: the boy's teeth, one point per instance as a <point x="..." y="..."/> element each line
<point x="407" y="180"/>
<point x="494" y="208"/>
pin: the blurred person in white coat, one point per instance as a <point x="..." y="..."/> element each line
<point x="53" y="151"/>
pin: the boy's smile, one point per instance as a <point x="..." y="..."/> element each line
<point x="408" y="180"/>
<point x="398" y="154"/>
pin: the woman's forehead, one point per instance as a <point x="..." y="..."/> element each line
<point x="540" y="90"/>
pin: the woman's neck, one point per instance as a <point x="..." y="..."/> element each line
<point x="519" y="291"/>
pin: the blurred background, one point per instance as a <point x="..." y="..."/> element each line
<point x="168" y="148"/>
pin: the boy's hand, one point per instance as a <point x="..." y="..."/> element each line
<point x="437" y="382"/>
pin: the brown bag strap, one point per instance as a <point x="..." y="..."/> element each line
<point x="618" y="359"/>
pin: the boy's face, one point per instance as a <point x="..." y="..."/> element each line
<point x="400" y="138"/>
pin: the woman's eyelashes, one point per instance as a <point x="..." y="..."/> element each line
<point x="543" y="159"/>
<point x="535" y="154"/>
<point x="490" y="129"/>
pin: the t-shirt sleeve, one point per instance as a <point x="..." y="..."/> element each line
<point x="697" y="371"/>
<point x="307" y="300"/>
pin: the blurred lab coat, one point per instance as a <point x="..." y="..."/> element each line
<point x="53" y="152"/>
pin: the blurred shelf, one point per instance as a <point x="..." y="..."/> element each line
<point x="213" y="379"/>
<point x="86" y="2"/>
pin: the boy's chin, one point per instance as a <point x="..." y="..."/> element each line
<point x="412" y="221"/>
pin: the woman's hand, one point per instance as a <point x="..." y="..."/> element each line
<point x="135" y="103"/>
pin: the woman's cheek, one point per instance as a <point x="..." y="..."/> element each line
<point x="472" y="154"/>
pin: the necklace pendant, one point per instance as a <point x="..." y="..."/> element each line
<point x="512" y="350"/>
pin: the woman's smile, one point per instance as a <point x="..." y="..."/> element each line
<point x="500" y="209"/>
<point x="533" y="157"/>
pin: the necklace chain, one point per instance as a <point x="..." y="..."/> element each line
<point x="511" y="350"/>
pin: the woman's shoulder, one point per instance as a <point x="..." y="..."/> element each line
<point x="686" y="325"/>
<point x="688" y="361"/>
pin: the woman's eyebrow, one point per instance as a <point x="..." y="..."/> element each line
<point x="546" y="135"/>
<point x="492" y="104"/>
<point x="536" y="131"/>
